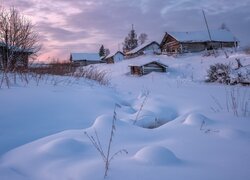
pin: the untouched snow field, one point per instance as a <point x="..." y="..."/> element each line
<point x="173" y="125"/>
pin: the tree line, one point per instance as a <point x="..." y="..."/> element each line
<point x="131" y="41"/>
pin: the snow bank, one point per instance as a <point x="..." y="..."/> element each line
<point x="63" y="147"/>
<point x="197" y="119"/>
<point x="156" y="155"/>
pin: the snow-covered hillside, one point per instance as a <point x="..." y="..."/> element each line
<point x="173" y="125"/>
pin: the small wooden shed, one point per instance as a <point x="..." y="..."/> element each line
<point x="146" y="68"/>
<point x="20" y="55"/>
<point x="114" y="57"/>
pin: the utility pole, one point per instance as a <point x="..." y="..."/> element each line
<point x="209" y="34"/>
<point x="206" y="25"/>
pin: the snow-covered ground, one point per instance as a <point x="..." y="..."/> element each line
<point x="173" y="125"/>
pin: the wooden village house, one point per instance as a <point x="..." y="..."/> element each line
<point x="19" y="55"/>
<point x="114" y="57"/>
<point x="184" y="42"/>
<point x="84" y="59"/>
<point x="146" y="48"/>
<point x="146" y="68"/>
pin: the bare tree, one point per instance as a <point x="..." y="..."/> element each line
<point x="18" y="39"/>
<point x="223" y="26"/>
<point x="107" y="51"/>
<point x="142" y="38"/>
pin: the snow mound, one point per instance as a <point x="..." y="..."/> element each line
<point x="103" y="125"/>
<point x="151" y="112"/>
<point x="196" y="119"/>
<point x="156" y="118"/>
<point x="147" y="119"/>
<point x="104" y="122"/>
<point x="156" y="155"/>
<point x="63" y="147"/>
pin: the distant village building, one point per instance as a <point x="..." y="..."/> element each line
<point x="146" y="48"/>
<point x="114" y="57"/>
<point x="184" y="42"/>
<point x="146" y="68"/>
<point x="84" y="59"/>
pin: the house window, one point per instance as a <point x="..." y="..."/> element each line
<point x="210" y="48"/>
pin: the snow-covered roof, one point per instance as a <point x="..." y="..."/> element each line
<point x="85" y="56"/>
<point x="2" y="44"/>
<point x="138" y="63"/>
<point x="112" y="54"/>
<point x="203" y="36"/>
<point x="18" y="49"/>
<point x="102" y="57"/>
<point x="144" y="45"/>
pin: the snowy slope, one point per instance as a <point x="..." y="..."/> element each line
<point x="198" y="135"/>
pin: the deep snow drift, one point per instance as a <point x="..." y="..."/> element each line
<point x="173" y="125"/>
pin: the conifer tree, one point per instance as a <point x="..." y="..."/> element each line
<point x="102" y="51"/>
<point x="130" y="41"/>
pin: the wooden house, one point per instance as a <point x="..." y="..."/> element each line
<point x="114" y="57"/>
<point x="19" y="57"/>
<point x="151" y="47"/>
<point x="146" y="68"/>
<point x="184" y="42"/>
<point x="84" y="59"/>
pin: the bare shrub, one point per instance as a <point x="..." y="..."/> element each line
<point x="60" y="69"/>
<point x="4" y="79"/>
<point x="207" y="130"/>
<point x="218" y="107"/>
<point x="219" y="73"/>
<point x="9" y="77"/>
<point x="94" y="74"/>
<point x="239" y="64"/>
<point x="226" y="54"/>
<point x="106" y="156"/>
<point x="47" y="72"/>
<point x="146" y="94"/>
<point x="237" y="102"/>
<point x="211" y="52"/>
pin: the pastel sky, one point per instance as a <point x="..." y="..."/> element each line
<point x="83" y="25"/>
